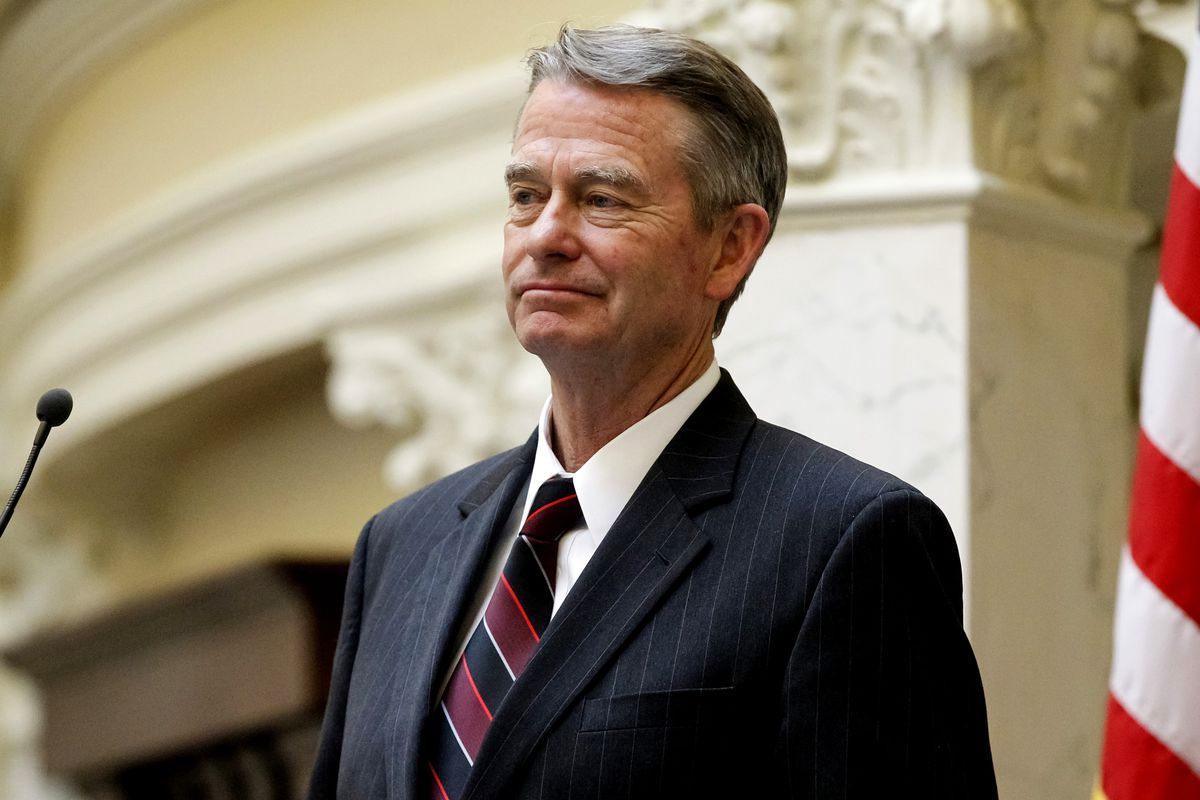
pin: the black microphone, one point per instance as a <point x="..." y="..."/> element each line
<point x="53" y="408"/>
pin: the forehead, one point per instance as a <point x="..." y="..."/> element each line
<point x="636" y="128"/>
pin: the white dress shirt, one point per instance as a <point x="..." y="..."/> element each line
<point x="604" y="485"/>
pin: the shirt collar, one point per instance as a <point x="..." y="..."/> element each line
<point x="609" y="478"/>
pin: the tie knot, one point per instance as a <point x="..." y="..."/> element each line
<point x="555" y="511"/>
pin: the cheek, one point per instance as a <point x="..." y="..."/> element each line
<point x="512" y="252"/>
<point x="510" y="309"/>
<point x="695" y="255"/>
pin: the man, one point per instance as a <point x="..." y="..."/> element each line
<point x="712" y="606"/>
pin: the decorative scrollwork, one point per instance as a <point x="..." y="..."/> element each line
<point x="456" y="388"/>
<point x="880" y="85"/>
<point x="1061" y="115"/>
<point x="850" y="79"/>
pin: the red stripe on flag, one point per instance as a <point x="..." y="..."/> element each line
<point x="1137" y="766"/>
<point x="1164" y="530"/>
<point x="1164" y="527"/>
<point x="1181" y="246"/>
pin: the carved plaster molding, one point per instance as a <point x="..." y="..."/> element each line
<point x="1060" y="116"/>
<point x="452" y="384"/>
<point x="1039" y="92"/>
<point x="973" y="31"/>
<point x="859" y="85"/>
<point x="1172" y="21"/>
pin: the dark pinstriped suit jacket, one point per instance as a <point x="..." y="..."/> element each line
<point x="767" y="618"/>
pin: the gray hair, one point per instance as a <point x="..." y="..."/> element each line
<point x="736" y="154"/>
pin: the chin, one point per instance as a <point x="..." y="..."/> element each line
<point x="555" y="342"/>
<point x="544" y="343"/>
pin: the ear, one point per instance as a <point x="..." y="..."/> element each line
<point x="744" y="234"/>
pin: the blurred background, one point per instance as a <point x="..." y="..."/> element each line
<point x="259" y="241"/>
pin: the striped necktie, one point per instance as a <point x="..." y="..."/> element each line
<point x="503" y="642"/>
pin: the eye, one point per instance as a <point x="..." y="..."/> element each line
<point x="601" y="201"/>
<point x="522" y="197"/>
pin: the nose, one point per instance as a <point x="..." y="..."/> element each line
<point x="554" y="235"/>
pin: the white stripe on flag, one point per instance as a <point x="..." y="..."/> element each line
<point x="1170" y="413"/>
<point x="1187" y="140"/>
<point x="1156" y="658"/>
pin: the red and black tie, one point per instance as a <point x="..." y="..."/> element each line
<point x="503" y="642"/>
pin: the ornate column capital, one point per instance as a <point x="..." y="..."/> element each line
<point x="1037" y="92"/>
<point x="1060" y="115"/>
<point x="859" y="85"/>
<point x="451" y="384"/>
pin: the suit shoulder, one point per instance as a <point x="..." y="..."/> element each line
<point x="822" y="488"/>
<point x="783" y="449"/>
<point x="825" y="496"/>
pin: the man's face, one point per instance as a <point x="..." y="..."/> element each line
<point x="603" y="261"/>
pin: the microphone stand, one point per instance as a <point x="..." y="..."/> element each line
<point x="53" y="409"/>
<point x="39" y="439"/>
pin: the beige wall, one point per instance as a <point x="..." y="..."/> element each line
<point x="245" y="73"/>
<point x="1053" y="427"/>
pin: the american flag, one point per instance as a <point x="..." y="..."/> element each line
<point x="1152" y="739"/>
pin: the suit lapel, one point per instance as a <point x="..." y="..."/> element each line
<point x="454" y="569"/>
<point x="653" y="543"/>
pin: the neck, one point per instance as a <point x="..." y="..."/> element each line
<point x="588" y="412"/>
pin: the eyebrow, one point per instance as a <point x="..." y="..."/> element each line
<point x="617" y="177"/>
<point x="521" y="171"/>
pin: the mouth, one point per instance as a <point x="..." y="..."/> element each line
<point x="550" y="289"/>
